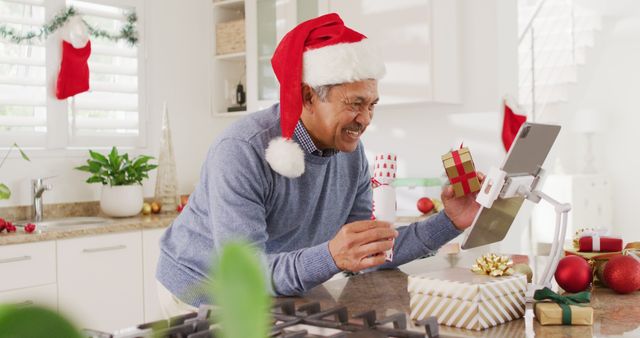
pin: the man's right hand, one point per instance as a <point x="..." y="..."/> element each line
<point x="361" y="245"/>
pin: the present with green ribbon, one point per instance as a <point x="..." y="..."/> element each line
<point x="567" y="309"/>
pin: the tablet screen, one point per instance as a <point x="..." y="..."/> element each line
<point x="526" y="156"/>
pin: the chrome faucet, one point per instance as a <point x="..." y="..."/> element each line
<point x="37" y="189"/>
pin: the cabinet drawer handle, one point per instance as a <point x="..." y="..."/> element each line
<point x="106" y="248"/>
<point x="15" y="259"/>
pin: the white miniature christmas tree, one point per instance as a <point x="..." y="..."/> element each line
<point x="167" y="179"/>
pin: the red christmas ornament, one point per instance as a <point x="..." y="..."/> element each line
<point x="573" y="274"/>
<point x="425" y="205"/>
<point x="622" y="274"/>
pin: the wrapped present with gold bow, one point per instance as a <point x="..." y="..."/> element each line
<point x="461" y="298"/>
<point x="568" y="309"/>
<point x="461" y="171"/>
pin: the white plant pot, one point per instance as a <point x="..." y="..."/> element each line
<point x="121" y="200"/>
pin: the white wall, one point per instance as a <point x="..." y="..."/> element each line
<point x="176" y="34"/>
<point x="179" y="39"/>
<point x="609" y="83"/>
<point x="619" y="68"/>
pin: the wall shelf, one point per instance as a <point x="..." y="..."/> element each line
<point x="235" y="57"/>
<point x="229" y="4"/>
<point x="265" y="23"/>
<point x="227" y="70"/>
<point x="231" y="114"/>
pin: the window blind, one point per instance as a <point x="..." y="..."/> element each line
<point x="23" y="87"/>
<point x="109" y="113"/>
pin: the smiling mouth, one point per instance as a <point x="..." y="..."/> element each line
<point x="354" y="133"/>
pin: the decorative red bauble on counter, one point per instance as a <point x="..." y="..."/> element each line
<point x="425" y="205"/>
<point x="622" y="274"/>
<point x="573" y="274"/>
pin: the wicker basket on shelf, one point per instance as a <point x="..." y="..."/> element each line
<point x="230" y="37"/>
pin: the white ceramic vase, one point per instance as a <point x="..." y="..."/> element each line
<point x="121" y="200"/>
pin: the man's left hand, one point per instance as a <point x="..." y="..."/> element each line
<point x="461" y="211"/>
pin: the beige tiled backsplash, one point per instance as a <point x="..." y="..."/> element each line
<point x="59" y="210"/>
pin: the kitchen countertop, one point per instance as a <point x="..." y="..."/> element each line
<point x="115" y="225"/>
<point x="134" y="223"/>
<point x="386" y="293"/>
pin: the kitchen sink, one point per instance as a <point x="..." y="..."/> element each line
<point x="71" y="223"/>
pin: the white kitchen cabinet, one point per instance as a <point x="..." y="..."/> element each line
<point x="100" y="280"/>
<point x="266" y="22"/>
<point x="419" y="42"/>
<point x="29" y="274"/>
<point x="150" y="254"/>
<point x="44" y="295"/>
<point x="26" y="265"/>
<point x="227" y="70"/>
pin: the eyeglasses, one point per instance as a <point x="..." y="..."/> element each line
<point x="357" y="106"/>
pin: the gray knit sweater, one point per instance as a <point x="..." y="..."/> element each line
<point x="291" y="220"/>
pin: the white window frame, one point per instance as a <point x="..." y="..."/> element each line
<point x="58" y="135"/>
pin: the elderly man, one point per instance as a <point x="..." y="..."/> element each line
<point x="304" y="198"/>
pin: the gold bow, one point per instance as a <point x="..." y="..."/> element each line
<point x="493" y="265"/>
<point x="631" y="247"/>
<point x="578" y="234"/>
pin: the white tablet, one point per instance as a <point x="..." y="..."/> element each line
<point x="526" y="156"/>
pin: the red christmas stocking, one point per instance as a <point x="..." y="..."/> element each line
<point x="510" y="126"/>
<point x="74" y="70"/>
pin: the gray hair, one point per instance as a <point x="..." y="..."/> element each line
<point x="323" y="91"/>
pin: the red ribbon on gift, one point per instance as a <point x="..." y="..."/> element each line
<point x="463" y="176"/>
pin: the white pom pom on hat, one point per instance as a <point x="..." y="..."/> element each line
<point x="285" y="157"/>
<point x="319" y="51"/>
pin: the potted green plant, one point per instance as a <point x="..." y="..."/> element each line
<point x="121" y="179"/>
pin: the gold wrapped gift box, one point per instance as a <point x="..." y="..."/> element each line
<point x="461" y="171"/>
<point x="463" y="299"/>
<point x="549" y="313"/>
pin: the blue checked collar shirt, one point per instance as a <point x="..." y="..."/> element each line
<point x="307" y="144"/>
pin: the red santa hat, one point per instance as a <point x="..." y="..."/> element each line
<point x="321" y="51"/>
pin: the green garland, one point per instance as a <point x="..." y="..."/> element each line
<point x="127" y="33"/>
